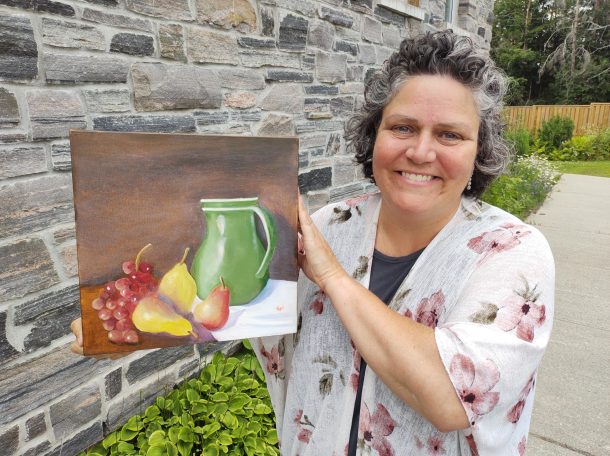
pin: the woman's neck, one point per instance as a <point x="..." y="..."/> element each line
<point x="400" y="234"/>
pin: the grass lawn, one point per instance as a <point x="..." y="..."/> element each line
<point x="588" y="168"/>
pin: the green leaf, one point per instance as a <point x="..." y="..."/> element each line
<point x="262" y="409"/>
<point x="210" y="450"/>
<point x="125" y="448"/>
<point x="157" y="437"/>
<point x="220" y="396"/>
<point x="173" y="434"/>
<point x="192" y="395"/>
<point x="238" y="402"/>
<point x="152" y="412"/>
<point x="127" y="434"/>
<point x="271" y="437"/>
<point x="229" y="420"/>
<point x="254" y="426"/>
<point x="224" y="438"/>
<point x="160" y="402"/>
<point x="156" y="450"/>
<point x="225" y="382"/>
<point x="110" y="440"/>
<point x="210" y="429"/>
<point x="247" y="345"/>
<point x="134" y="423"/>
<point x="186" y="434"/>
<point x="199" y="409"/>
<point x="184" y="448"/>
<point x="220" y="408"/>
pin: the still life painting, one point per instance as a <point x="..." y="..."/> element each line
<point x="184" y="239"/>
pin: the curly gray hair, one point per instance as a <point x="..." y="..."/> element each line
<point x="441" y="53"/>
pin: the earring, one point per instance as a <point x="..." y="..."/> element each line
<point x="469" y="186"/>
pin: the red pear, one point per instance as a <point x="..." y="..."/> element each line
<point x="213" y="311"/>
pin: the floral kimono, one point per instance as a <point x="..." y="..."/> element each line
<point x="485" y="284"/>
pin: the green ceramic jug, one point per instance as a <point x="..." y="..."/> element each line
<point x="232" y="249"/>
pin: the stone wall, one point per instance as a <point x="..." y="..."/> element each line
<point x="273" y="67"/>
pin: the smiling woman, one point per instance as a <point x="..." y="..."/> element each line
<point x="447" y="299"/>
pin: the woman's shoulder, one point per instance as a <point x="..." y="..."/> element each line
<point x="342" y="211"/>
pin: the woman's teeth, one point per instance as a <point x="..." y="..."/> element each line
<point x="416" y="177"/>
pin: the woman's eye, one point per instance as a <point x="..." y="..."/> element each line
<point x="450" y="136"/>
<point x="402" y="129"/>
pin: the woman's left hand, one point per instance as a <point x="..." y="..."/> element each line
<point x="316" y="258"/>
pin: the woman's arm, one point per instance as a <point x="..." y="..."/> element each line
<point x="402" y="352"/>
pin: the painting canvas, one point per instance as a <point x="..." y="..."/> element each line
<point x="184" y="239"/>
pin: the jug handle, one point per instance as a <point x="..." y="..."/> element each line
<point x="269" y="227"/>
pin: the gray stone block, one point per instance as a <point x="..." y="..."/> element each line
<point x="383" y="54"/>
<point x="371" y="30"/>
<point x="316" y="179"/>
<point x="27" y="268"/>
<point x="346" y="46"/>
<point x="146" y="123"/>
<point x="54" y="113"/>
<point x="342" y="106"/>
<point x="22" y="161"/>
<point x="7" y="351"/>
<point x="155" y="361"/>
<point x="293" y="33"/>
<point x="276" y="125"/>
<point x="35" y="426"/>
<point x="368" y="54"/>
<point x="41" y="6"/>
<point x="9" y="109"/>
<point x="354" y="73"/>
<point x="284" y="97"/>
<point x="352" y="87"/>
<point x="107" y="100"/>
<point x="391" y="37"/>
<point x="50" y="326"/>
<point x="61" y="159"/>
<point x="18" y="50"/>
<point x="9" y="440"/>
<point x="306" y="126"/>
<point x="311" y="141"/>
<point x="40" y="381"/>
<point x="240" y="100"/>
<point x="63" y="234"/>
<point x="228" y="14"/>
<point x="175" y="10"/>
<point x="35" y="204"/>
<point x="107" y="3"/>
<point x="118" y="20"/>
<point x="364" y="6"/>
<point x="348" y="191"/>
<point x="330" y="67"/>
<point x="256" y="59"/>
<point x="132" y="44"/>
<point x="41" y="448"/>
<point x="321" y="35"/>
<point x="12" y="137"/>
<point x="171" y="42"/>
<point x="121" y="409"/>
<point x="246" y="116"/>
<point x="387" y="15"/>
<point x="190" y="368"/>
<point x="344" y="171"/>
<point x="333" y="145"/>
<point x="80" y="442"/>
<point x="288" y="76"/>
<point x="304" y="7"/>
<point x="316" y="104"/>
<point x="75" y="411"/>
<point x="335" y="16"/>
<point x="241" y="79"/>
<point x="159" y="87"/>
<point x="80" y="68"/>
<point x="303" y="159"/>
<point x="267" y="21"/>
<point x="207" y="46"/>
<point x="113" y="383"/>
<point x="212" y="118"/>
<point x="256" y="43"/>
<point x="308" y="62"/>
<point x="71" y="35"/>
<point x="321" y="90"/>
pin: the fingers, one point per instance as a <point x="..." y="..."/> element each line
<point x="77" y="329"/>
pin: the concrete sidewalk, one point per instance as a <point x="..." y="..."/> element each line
<point x="572" y="408"/>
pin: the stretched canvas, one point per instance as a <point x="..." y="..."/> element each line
<point x="184" y="239"/>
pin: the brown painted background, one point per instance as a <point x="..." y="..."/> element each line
<point x="131" y="189"/>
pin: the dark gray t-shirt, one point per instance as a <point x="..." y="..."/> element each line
<point x="387" y="273"/>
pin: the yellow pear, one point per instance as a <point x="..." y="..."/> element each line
<point x="152" y="315"/>
<point x="179" y="286"/>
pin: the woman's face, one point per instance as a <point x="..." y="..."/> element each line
<point x="426" y="146"/>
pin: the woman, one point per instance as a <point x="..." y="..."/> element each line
<point x="448" y="300"/>
<point x="453" y="355"/>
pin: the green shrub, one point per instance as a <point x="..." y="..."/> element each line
<point x="524" y="188"/>
<point x="555" y="131"/>
<point x="225" y="410"/>
<point x="521" y="140"/>
<point x="601" y="145"/>
<point x="584" y="148"/>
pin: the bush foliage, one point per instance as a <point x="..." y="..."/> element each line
<point x="226" y="410"/>
<point x="555" y="131"/>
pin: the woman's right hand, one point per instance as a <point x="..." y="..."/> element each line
<point x="77" y="346"/>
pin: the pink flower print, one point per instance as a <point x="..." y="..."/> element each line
<point x="521" y="313"/>
<point x="434" y="446"/>
<point x="304" y="426"/>
<point x="429" y="309"/>
<point x="521" y="446"/>
<point x="408" y="314"/>
<point x="353" y="202"/>
<point x="515" y="412"/>
<point x="474" y="384"/>
<point x="491" y="242"/>
<point x="373" y="429"/>
<point x="355" y="377"/>
<point x="275" y="359"/>
<point x="472" y="444"/>
<point x="317" y="305"/>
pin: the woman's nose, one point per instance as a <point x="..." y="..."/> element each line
<point x="421" y="150"/>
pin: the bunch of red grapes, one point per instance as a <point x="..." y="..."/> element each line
<point x="118" y="300"/>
